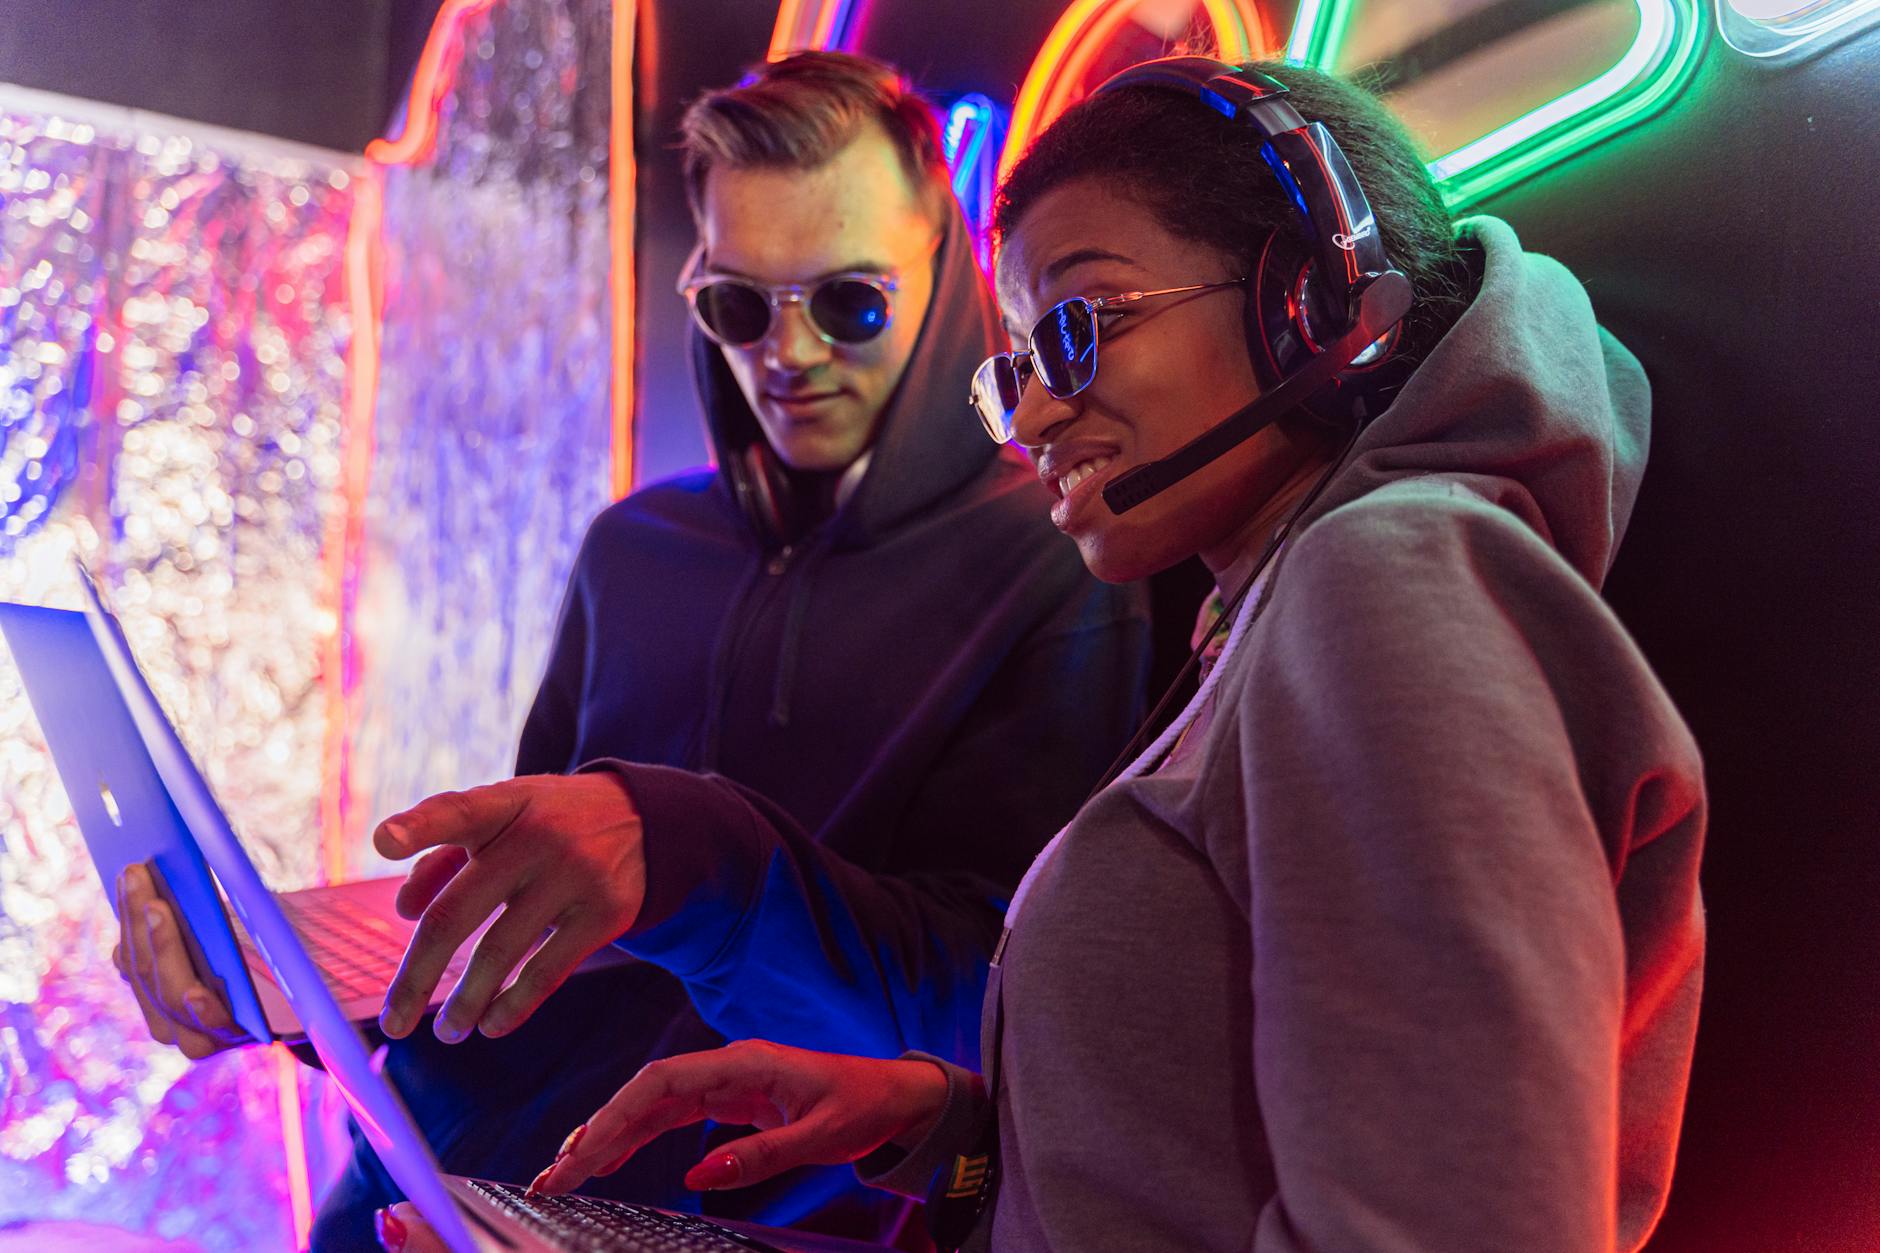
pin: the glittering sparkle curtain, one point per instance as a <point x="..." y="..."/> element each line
<point x="174" y="357"/>
<point x="493" y="429"/>
<point x="173" y="347"/>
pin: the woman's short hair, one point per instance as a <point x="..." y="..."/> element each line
<point x="1205" y="180"/>
<point x="799" y="112"/>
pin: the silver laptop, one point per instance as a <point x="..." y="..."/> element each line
<point x="109" y="737"/>
<point x="135" y="786"/>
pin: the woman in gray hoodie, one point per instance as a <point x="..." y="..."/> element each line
<point x="1393" y="940"/>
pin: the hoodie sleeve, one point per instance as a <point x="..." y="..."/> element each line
<point x="1472" y="891"/>
<point x="777" y="936"/>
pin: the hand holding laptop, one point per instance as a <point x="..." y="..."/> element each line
<point x="561" y="856"/>
<point x="151" y="957"/>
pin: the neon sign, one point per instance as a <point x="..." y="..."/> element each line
<point x="1659" y="61"/>
<point x="1063" y="62"/>
<point x="821" y="25"/>
<point x="1769" y="28"/>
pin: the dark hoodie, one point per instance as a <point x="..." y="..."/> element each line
<point x="1399" y="950"/>
<point x="845" y="750"/>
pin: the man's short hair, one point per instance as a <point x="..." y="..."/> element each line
<point x="799" y="112"/>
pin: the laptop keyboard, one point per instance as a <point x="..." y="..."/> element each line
<point x="587" y="1224"/>
<point x="356" y="949"/>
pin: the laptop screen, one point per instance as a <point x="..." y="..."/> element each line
<point x="81" y="677"/>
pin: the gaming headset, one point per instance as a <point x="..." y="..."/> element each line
<point x="1323" y="322"/>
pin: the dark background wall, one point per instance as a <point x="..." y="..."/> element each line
<point x="328" y="73"/>
<point x="1732" y="244"/>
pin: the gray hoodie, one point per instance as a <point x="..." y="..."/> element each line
<point x="1400" y="949"/>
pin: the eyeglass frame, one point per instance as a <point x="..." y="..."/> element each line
<point x="777" y="295"/>
<point x="1020" y="360"/>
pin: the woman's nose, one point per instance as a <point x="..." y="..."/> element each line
<point x="1040" y="415"/>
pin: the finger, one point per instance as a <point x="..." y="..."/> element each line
<point x="189" y="1003"/>
<point x="428" y="876"/>
<point x="664" y="1095"/>
<point x="470" y="819"/>
<point x="134" y="927"/>
<point x="727" y="1083"/>
<point x="458" y="910"/>
<point x="401" y="1229"/>
<point x="142" y="919"/>
<point x="162" y="1030"/>
<point x="212" y="1015"/>
<point x="547" y="970"/>
<point x="172" y="977"/>
<point x="124" y="958"/>
<point x="181" y="998"/>
<point x="196" y="1045"/>
<point x="120" y="951"/>
<point x="755" y="1158"/>
<point x="502" y="947"/>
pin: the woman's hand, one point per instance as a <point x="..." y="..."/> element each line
<point x="150" y="956"/>
<point x="559" y="856"/>
<point x="402" y="1229"/>
<point x="812" y="1109"/>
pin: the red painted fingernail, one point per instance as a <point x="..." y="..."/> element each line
<point x="720" y="1171"/>
<point x="391" y="1231"/>
<point x="568" y="1145"/>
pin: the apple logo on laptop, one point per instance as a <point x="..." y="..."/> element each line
<point x="110" y="803"/>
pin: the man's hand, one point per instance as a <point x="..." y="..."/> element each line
<point x="811" y="1108"/>
<point x="559" y="855"/>
<point x="150" y="956"/>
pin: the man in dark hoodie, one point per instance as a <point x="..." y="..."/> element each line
<point x="824" y="660"/>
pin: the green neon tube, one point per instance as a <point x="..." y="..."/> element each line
<point x="1657" y="63"/>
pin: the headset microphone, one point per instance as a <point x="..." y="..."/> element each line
<point x="1381" y="305"/>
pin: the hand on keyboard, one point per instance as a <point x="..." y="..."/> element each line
<point x="811" y="1108"/>
<point x="559" y="855"/>
<point x="150" y="956"/>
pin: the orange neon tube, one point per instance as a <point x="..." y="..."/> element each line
<point x="783" y="34"/>
<point x="1075" y="40"/>
<point x="789" y="34"/>
<point x="345" y="535"/>
<point x="294" y="1143"/>
<point x="430" y="83"/>
<point x="622" y="204"/>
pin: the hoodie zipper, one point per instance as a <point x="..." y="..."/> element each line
<point x="760" y="588"/>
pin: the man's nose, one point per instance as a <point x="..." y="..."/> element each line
<point x="793" y="344"/>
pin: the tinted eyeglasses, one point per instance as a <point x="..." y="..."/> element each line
<point x="1061" y="351"/>
<point x="850" y="308"/>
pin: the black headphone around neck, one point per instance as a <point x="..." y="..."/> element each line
<point x="1322" y="324"/>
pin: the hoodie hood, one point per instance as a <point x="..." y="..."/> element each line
<point x="927" y="445"/>
<point x="1527" y="401"/>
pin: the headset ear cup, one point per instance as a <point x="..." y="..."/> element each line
<point x="1287" y="316"/>
<point x="1280" y="331"/>
<point x="766" y="494"/>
